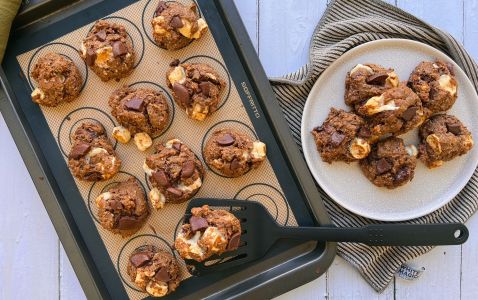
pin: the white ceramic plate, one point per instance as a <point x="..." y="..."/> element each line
<point x="345" y="183"/>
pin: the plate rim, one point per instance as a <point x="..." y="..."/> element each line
<point x="304" y="133"/>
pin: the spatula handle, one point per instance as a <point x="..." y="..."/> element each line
<point x="384" y="234"/>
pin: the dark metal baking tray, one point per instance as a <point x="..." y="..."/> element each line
<point x="288" y="265"/>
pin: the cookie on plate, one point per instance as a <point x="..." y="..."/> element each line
<point x="92" y="157"/>
<point x="233" y="153"/>
<point x="342" y="137"/>
<point x="208" y="232"/>
<point x="442" y="138"/>
<point x="435" y="84"/>
<point x="366" y="81"/>
<point x="176" y="25"/>
<point x="390" y="164"/>
<point x="138" y="110"/>
<point x="196" y="88"/>
<point x="123" y="208"/>
<point x="174" y="172"/>
<point x="396" y="111"/>
<point x="153" y="270"/>
<point x="108" y="51"/>
<point x="58" y="78"/>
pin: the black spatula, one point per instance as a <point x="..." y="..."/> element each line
<point x="260" y="232"/>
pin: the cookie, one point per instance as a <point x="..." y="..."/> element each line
<point x="58" y="78"/>
<point x="123" y="208"/>
<point x="196" y="88"/>
<point x="233" y="153"/>
<point x="208" y="232"/>
<point x="108" y="51"/>
<point x="435" y="84"/>
<point x="390" y="164"/>
<point x="342" y="137"/>
<point x="92" y="157"/>
<point x="153" y="270"/>
<point x="176" y="25"/>
<point x="396" y="111"/>
<point x="174" y="172"/>
<point x="366" y="81"/>
<point x="138" y="110"/>
<point x="442" y="138"/>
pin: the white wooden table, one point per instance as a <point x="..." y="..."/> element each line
<point x="32" y="260"/>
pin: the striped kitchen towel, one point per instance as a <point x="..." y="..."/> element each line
<point x="344" y="25"/>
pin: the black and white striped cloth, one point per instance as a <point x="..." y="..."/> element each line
<point x="344" y="25"/>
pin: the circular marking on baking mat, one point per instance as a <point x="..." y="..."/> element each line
<point x="220" y="68"/>
<point x="169" y="98"/>
<point x="100" y="187"/>
<point x="74" y="119"/>
<point x="149" y="12"/>
<point x="134" y="35"/>
<point x="237" y="125"/>
<point x="67" y="51"/>
<point x="131" y="245"/>
<point x="269" y="196"/>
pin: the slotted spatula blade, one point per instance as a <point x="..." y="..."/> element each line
<point x="260" y="231"/>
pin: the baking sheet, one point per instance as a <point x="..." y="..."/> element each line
<point x="151" y="65"/>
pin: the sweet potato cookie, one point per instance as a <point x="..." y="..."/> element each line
<point x="92" y="157"/>
<point x="435" y="84"/>
<point x="196" y="88"/>
<point x="176" y="25"/>
<point x="58" y="78"/>
<point x="443" y="137"/>
<point x="108" y="51"/>
<point x="342" y="137"/>
<point x="208" y="232"/>
<point x="390" y="164"/>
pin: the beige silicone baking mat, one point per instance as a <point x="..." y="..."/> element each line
<point x="152" y="62"/>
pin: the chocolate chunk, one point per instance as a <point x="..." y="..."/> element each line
<point x="161" y="7"/>
<point x="337" y="138"/>
<point x="127" y="222"/>
<point x="409" y="113"/>
<point x="235" y="164"/>
<point x="174" y="63"/>
<point x="383" y="166"/>
<point x="161" y="178"/>
<point x="176" y="22"/>
<point x="365" y="132"/>
<point x="90" y="57"/>
<point x="119" y="48"/>
<point x="205" y="88"/>
<point x="181" y="93"/>
<point x="162" y="275"/>
<point x="79" y="150"/>
<point x="234" y="241"/>
<point x="101" y="35"/>
<point x="135" y="104"/>
<point x="177" y="146"/>
<point x="188" y="169"/>
<point x="377" y="78"/>
<point x="225" y="140"/>
<point x="115" y="205"/>
<point x="454" y="128"/>
<point x="140" y="259"/>
<point x="198" y="223"/>
<point x="93" y="176"/>
<point x="175" y="191"/>
<point x="402" y="175"/>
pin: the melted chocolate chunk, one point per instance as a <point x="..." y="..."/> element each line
<point x="383" y="166"/>
<point x="79" y="150"/>
<point x="135" y="104"/>
<point x="225" y="140"/>
<point x="198" y="223"/>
